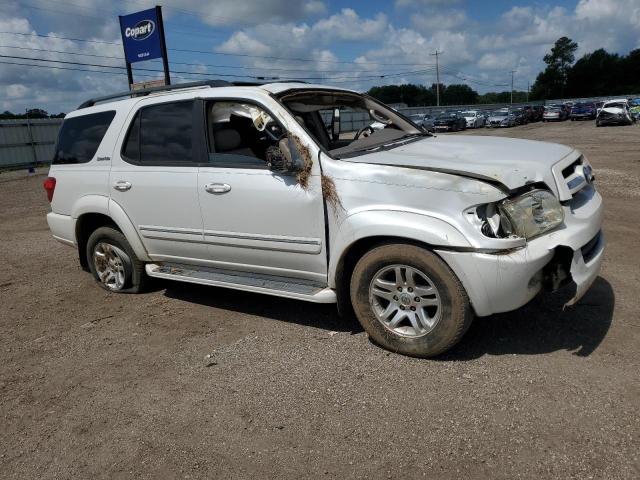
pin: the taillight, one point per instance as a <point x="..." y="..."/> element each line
<point x="50" y="186"/>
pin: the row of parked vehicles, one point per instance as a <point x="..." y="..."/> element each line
<point x="617" y="111"/>
<point x="620" y="111"/>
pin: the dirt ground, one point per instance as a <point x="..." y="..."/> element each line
<point x="95" y="385"/>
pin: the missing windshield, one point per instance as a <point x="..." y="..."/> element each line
<point x="349" y="124"/>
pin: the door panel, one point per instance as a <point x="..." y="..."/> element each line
<point x="163" y="205"/>
<point x="155" y="179"/>
<point x="265" y="222"/>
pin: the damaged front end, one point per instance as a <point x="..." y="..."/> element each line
<point x="561" y="250"/>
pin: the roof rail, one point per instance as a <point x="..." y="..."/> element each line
<point x="146" y="91"/>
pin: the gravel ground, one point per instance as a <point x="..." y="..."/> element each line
<point x="94" y="385"/>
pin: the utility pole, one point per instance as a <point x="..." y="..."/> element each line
<point x="512" y="72"/>
<point x="528" y="89"/>
<point x="437" y="77"/>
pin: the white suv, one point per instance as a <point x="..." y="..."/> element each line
<point x="267" y="188"/>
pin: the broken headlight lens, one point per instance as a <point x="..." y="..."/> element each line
<point x="533" y="213"/>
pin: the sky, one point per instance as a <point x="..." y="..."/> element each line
<point x="354" y="44"/>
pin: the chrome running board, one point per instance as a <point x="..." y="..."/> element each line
<point x="248" y="282"/>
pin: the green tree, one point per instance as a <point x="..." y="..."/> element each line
<point x="458" y="94"/>
<point x="596" y="73"/>
<point x="412" y="95"/>
<point x="552" y="82"/>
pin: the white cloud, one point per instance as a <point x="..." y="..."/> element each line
<point x="347" y="25"/>
<point x="446" y="20"/>
<point x="15" y="90"/>
<point x="418" y="3"/>
<point x="250" y="12"/>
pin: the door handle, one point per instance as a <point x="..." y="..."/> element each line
<point x="122" y="186"/>
<point x="217" y="188"/>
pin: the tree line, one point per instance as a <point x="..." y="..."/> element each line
<point x="595" y="74"/>
<point x="455" y="94"/>
<point x="30" y="113"/>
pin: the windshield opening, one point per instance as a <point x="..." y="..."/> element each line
<point x="348" y="124"/>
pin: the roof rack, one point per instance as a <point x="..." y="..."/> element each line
<point x="205" y="83"/>
<point x="146" y="91"/>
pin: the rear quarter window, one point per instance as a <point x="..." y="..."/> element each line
<point x="80" y="137"/>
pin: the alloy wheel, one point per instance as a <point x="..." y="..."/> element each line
<point x="405" y="300"/>
<point x="110" y="263"/>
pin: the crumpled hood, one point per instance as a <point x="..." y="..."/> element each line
<point x="508" y="161"/>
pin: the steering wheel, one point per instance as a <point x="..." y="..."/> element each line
<point x="362" y="131"/>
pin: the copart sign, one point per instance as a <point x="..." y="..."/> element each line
<point x="141" y="36"/>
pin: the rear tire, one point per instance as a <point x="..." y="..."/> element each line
<point x="409" y="301"/>
<point x="113" y="263"/>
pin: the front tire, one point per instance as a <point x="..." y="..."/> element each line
<point x="113" y="263"/>
<point x="409" y="301"/>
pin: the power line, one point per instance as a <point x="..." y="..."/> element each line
<point x="79" y="69"/>
<point x="266" y="57"/>
<point x="240" y="67"/>
<point x="119" y="67"/>
<point x="63" y="38"/>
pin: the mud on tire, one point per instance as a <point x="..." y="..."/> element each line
<point x="454" y="318"/>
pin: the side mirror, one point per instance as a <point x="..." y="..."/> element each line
<point x="285" y="158"/>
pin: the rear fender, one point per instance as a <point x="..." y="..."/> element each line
<point x="103" y="205"/>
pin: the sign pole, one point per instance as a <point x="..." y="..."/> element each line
<point x="129" y="71"/>
<point x="163" y="46"/>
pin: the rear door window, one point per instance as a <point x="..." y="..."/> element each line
<point x="80" y="137"/>
<point x="161" y="135"/>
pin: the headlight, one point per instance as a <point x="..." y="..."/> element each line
<point x="532" y="214"/>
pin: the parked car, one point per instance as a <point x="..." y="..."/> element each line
<point x="583" y="111"/>
<point x="532" y="114"/>
<point x="242" y="187"/>
<point x="520" y="115"/>
<point x="615" y="112"/>
<point x="554" y="113"/>
<point x="474" y="118"/>
<point x="424" y="120"/>
<point x="449" y="122"/>
<point x="501" y="118"/>
<point x="538" y="110"/>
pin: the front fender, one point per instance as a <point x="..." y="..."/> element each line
<point x="391" y="223"/>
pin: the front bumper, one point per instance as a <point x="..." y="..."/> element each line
<point x="501" y="282"/>
<point x="613" y="120"/>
